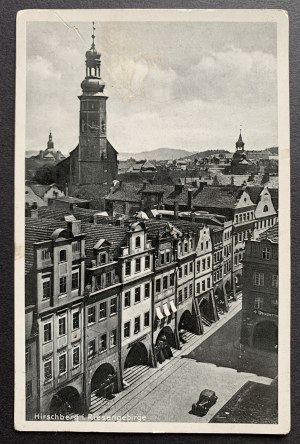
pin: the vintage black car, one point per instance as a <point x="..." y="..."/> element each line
<point x="207" y="399"/>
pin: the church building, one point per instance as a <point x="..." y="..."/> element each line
<point x="94" y="160"/>
<point x="239" y="163"/>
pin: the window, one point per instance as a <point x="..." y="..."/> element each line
<point x="137" y="325"/>
<point x="203" y="264"/>
<point x="147" y="291"/>
<point x="127" y="268"/>
<point x="127" y="329"/>
<point x="206" y="245"/>
<point x="75" y="320"/>
<point x="147" y="319"/>
<point x="63" y="285"/>
<point x="62" y="256"/>
<point x="75" y="280"/>
<point x="180" y="296"/>
<point x="185" y="293"/>
<point x="266" y="253"/>
<point x="46" y="288"/>
<point x="244" y="217"/>
<point x="62" y="364"/>
<point x="208" y="282"/>
<point x="201" y="246"/>
<point x="191" y="244"/>
<point x="62" y="326"/>
<point x="162" y="258"/>
<point x="185" y="247"/>
<point x="48" y="370"/>
<point x="259" y="279"/>
<point x="137" y="295"/>
<point x="191" y="267"/>
<point x="75" y="356"/>
<point x="127" y="301"/>
<point x="75" y="247"/>
<point x="198" y="266"/>
<point x="91" y="314"/>
<point x="102" y="258"/>
<point x="113" y="339"/>
<point x="28" y="357"/>
<point x="28" y="389"/>
<point x="45" y="254"/>
<point x="258" y="302"/>
<point x="172" y="279"/>
<point x="208" y="262"/>
<point x="147" y="261"/>
<point x="191" y="290"/>
<point x="102" y="310"/>
<point x="47" y="332"/>
<point x="138" y="242"/>
<point x="137" y="265"/>
<point x="168" y="257"/>
<point x="266" y="209"/>
<point x="185" y="270"/>
<point x="103" y="343"/>
<point x="275" y="280"/>
<point x="203" y="285"/>
<point x="113" y="306"/>
<point x="91" y="348"/>
<point x="157" y="285"/>
<point x="180" y="272"/>
<point x="165" y="282"/>
<point x="198" y="287"/>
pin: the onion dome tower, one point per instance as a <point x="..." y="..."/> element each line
<point x="93" y="144"/>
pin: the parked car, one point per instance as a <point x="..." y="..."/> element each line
<point x="207" y="399"/>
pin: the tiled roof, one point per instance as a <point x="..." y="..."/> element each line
<point x="82" y="214"/>
<point x="224" y="179"/>
<point x="115" y="235"/>
<point x="254" y="192"/>
<point x="126" y="193"/>
<point x="217" y="197"/>
<point x="38" y="230"/>
<point x="270" y="234"/>
<point x="39" y="190"/>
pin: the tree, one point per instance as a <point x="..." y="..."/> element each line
<point x="45" y="175"/>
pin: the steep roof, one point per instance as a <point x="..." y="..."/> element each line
<point x="127" y="192"/>
<point x="82" y="214"/>
<point x="254" y="192"/>
<point x="218" y="197"/>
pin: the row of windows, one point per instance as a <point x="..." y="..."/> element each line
<point x="227" y="250"/>
<point x="217" y="275"/>
<point x="61" y="326"/>
<point x="264" y="253"/>
<point x="203" y="286"/>
<point x="227" y="267"/>
<point x="137" y="295"/>
<point x="165" y="258"/>
<point x="227" y="235"/>
<point x="137" y="267"/>
<point x="242" y="236"/>
<point x="47" y="284"/>
<point x="127" y="328"/>
<point x="61" y="364"/>
<point x="218" y="256"/>
<point x="104" y="342"/>
<point x="259" y="279"/>
<point x="164" y="283"/>
<point x="185" y="247"/>
<point x="238" y="257"/>
<point x="186" y="269"/>
<point x="105" y="309"/>
<point x="244" y="217"/>
<point x="265" y="223"/>
<point x="185" y="293"/>
<point x="104" y="280"/>
<point x="203" y="264"/>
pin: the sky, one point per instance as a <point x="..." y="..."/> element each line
<point x="185" y="85"/>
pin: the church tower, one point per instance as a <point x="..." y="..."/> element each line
<point x="97" y="159"/>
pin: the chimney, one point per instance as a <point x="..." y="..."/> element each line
<point x="202" y="184"/>
<point x="34" y="211"/>
<point x="75" y="227"/>
<point x="120" y="222"/>
<point x="176" y="210"/>
<point x="265" y="178"/>
<point x="190" y="198"/>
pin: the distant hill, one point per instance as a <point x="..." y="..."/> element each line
<point x="157" y="154"/>
<point x="205" y="153"/>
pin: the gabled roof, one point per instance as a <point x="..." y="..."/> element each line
<point x="254" y="192"/>
<point x="218" y="197"/>
<point x="127" y="192"/>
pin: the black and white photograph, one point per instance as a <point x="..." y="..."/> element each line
<point x="152" y="221"/>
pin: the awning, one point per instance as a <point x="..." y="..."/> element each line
<point x="166" y="310"/>
<point x="173" y="308"/>
<point x="159" y="313"/>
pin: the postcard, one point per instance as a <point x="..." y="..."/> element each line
<point x="152" y="240"/>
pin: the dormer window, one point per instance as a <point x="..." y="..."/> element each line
<point x="102" y="258"/>
<point x="266" y="209"/>
<point x="138" y="242"/>
<point x="62" y="256"/>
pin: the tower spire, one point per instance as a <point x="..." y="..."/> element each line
<point x="93" y="36"/>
